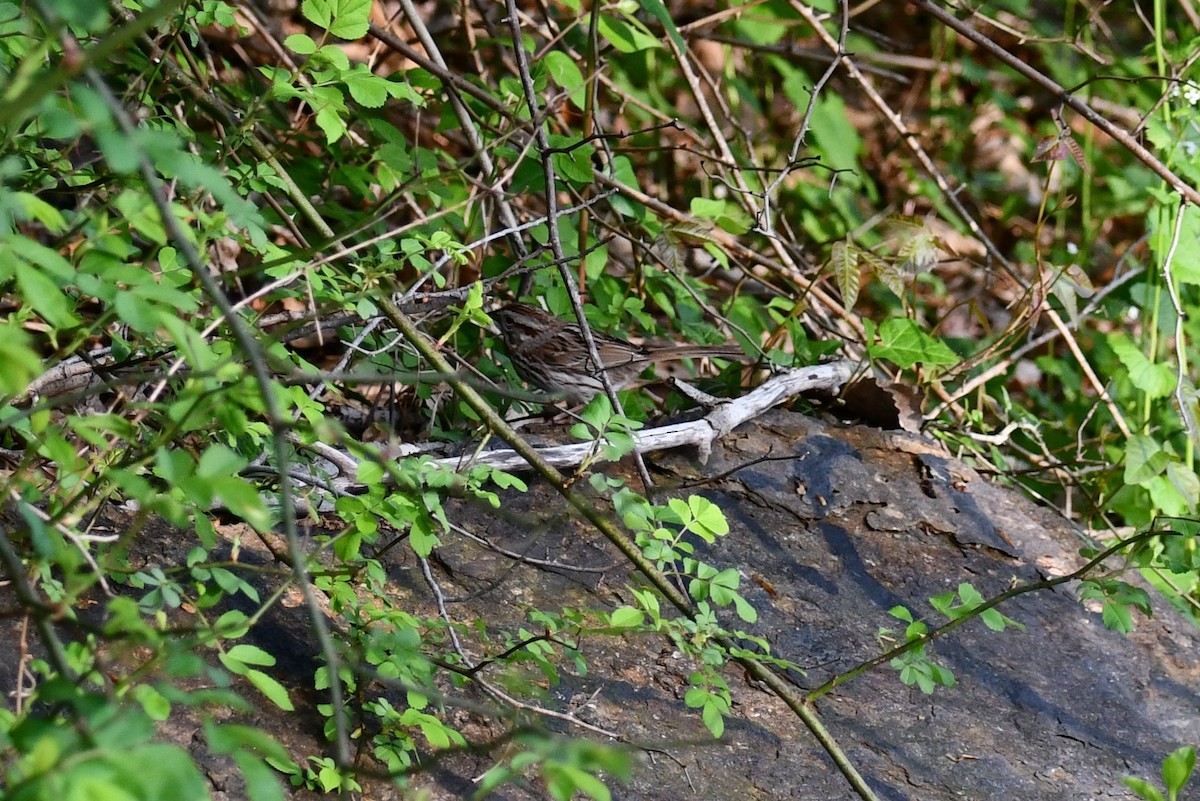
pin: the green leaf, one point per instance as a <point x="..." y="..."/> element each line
<point x="1177" y="768"/>
<point x="262" y="784"/>
<point x="943" y="603"/>
<point x="1143" y="788"/>
<point x="563" y="781"/>
<point x="1167" y="498"/>
<point x="153" y="703"/>
<point x="139" y="211"/>
<point x="575" y="163"/>
<point x="844" y="262"/>
<point x="219" y="461"/>
<point x="1144" y="459"/>
<point x="626" y="617"/>
<point x="370" y="472"/>
<point x="833" y="133"/>
<point x="941" y="675"/>
<point x="167" y="154"/>
<point x="709" y="520"/>
<point x="566" y="73"/>
<point x="241" y="497"/>
<point x="422" y="538"/>
<point x="300" y="43"/>
<point x="18" y="363"/>
<point x="194" y="347"/>
<point x="661" y="14"/>
<point x="367" y="88"/>
<point x="45" y="297"/>
<point x="331" y="111"/>
<point x="969" y="595"/>
<point x="250" y="655"/>
<point x="713" y="719"/>
<point x="1116" y="617"/>
<point x="346" y="19"/>
<point x="142" y="316"/>
<point x="795" y="83"/>
<point x="744" y="609"/>
<point x="993" y="619"/>
<point x="402" y="90"/>
<point x="232" y="624"/>
<point x="903" y="342"/>
<point x="157" y="770"/>
<point x="1156" y="380"/>
<point x="37" y="209"/>
<point x="1185" y="266"/>
<point x="335" y="57"/>
<point x="729" y="217"/>
<point x="624" y="173"/>
<point x="727" y="579"/>
<point x="83" y="15"/>
<point x="626" y="36"/>
<point x="271" y="688"/>
<point x="1185" y="482"/>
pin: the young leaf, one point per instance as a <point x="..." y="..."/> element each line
<point x="1177" y="769"/>
<point x="1143" y="788"/>
<point x="346" y="19"/>
<point x="843" y="261"/>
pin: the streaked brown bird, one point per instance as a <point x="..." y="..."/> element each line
<point x="551" y="354"/>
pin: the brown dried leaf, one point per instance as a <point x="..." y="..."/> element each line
<point x="884" y="404"/>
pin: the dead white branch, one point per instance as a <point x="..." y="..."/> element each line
<point x="700" y="433"/>
<point x="70" y="375"/>
<point x="334" y="472"/>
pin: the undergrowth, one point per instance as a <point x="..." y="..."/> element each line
<point x="235" y="248"/>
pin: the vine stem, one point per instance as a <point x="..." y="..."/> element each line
<point x="937" y="633"/>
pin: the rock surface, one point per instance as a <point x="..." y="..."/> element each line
<point x="831" y="528"/>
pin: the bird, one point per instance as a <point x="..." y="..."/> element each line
<point x="550" y="353"/>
